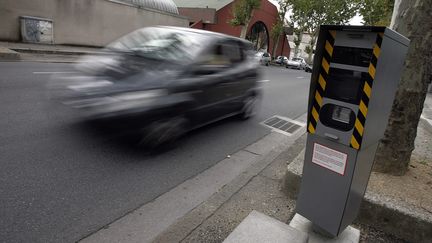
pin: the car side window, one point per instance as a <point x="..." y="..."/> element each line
<point x="233" y="52"/>
<point x="225" y="53"/>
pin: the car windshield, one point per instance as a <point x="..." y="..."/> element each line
<point x="161" y="44"/>
<point x="297" y="59"/>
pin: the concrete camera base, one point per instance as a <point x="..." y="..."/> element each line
<point x="349" y="235"/>
<point x="258" y="227"/>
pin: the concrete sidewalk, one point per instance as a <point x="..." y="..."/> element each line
<point x="16" y="51"/>
<point x="216" y="218"/>
<point x="49" y="49"/>
<point x="382" y="219"/>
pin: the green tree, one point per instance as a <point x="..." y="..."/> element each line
<point x="275" y="33"/>
<point x="301" y="15"/>
<point x="415" y="22"/>
<point x="376" y="12"/>
<point x="308" y="15"/>
<point x="242" y="14"/>
<point x="278" y="28"/>
<point x="298" y="36"/>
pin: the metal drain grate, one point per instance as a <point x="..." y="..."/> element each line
<point x="283" y="124"/>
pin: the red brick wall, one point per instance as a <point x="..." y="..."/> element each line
<point x="197" y="14"/>
<point x="267" y="13"/>
<point x="198" y="25"/>
<point x="283" y="48"/>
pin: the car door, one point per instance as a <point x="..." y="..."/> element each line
<point x="239" y="79"/>
<point x="219" y="82"/>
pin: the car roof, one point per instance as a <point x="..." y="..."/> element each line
<point x="204" y="32"/>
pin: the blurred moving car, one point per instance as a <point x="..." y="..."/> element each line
<point x="161" y="82"/>
<point x="308" y="68"/>
<point x="296" y="62"/>
<point x="281" y="60"/>
<point x="265" y="58"/>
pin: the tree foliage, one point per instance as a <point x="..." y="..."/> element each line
<point x="242" y="11"/>
<point x="242" y="14"/>
<point x="376" y="12"/>
<point x="298" y="36"/>
<point x="308" y="15"/>
<point x="278" y="28"/>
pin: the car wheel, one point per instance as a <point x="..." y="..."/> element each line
<point x="250" y="107"/>
<point x="164" y="133"/>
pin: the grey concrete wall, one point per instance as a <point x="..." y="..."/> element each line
<point x="82" y="22"/>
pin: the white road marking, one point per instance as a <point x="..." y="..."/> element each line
<point x="52" y="72"/>
<point x="300" y="77"/>
<point x="264" y="81"/>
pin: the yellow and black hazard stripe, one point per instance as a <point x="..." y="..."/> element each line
<point x="322" y="81"/>
<point x="357" y="135"/>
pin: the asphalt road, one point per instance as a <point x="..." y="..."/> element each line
<point x="60" y="180"/>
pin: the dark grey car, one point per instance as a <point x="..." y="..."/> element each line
<point x="161" y="82"/>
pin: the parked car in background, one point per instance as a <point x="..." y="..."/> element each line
<point x="296" y="62"/>
<point x="258" y="55"/>
<point x="308" y="68"/>
<point x="160" y="82"/>
<point x="281" y="60"/>
<point x="265" y="58"/>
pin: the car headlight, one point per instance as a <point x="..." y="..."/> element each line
<point x="139" y="95"/>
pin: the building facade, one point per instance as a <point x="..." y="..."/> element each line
<point x="214" y="15"/>
<point x="301" y="52"/>
<point x="82" y="22"/>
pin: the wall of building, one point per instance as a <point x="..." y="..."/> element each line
<point x="283" y="48"/>
<point x="82" y="22"/>
<point x="267" y="13"/>
<point x="207" y="15"/>
<point x="306" y="38"/>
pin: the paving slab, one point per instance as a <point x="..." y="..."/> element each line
<point x="258" y="228"/>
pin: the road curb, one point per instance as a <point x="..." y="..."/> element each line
<point x="139" y="225"/>
<point x="8" y="54"/>
<point x="184" y="227"/>
<point x="57" y="52"/>
<point x="394" y="217"/>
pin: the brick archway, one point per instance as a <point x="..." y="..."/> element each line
<point x="259" y="35"/>
<point x="214" y="16"/>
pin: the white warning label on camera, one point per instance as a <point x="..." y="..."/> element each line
<point x="329" y="158"/>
